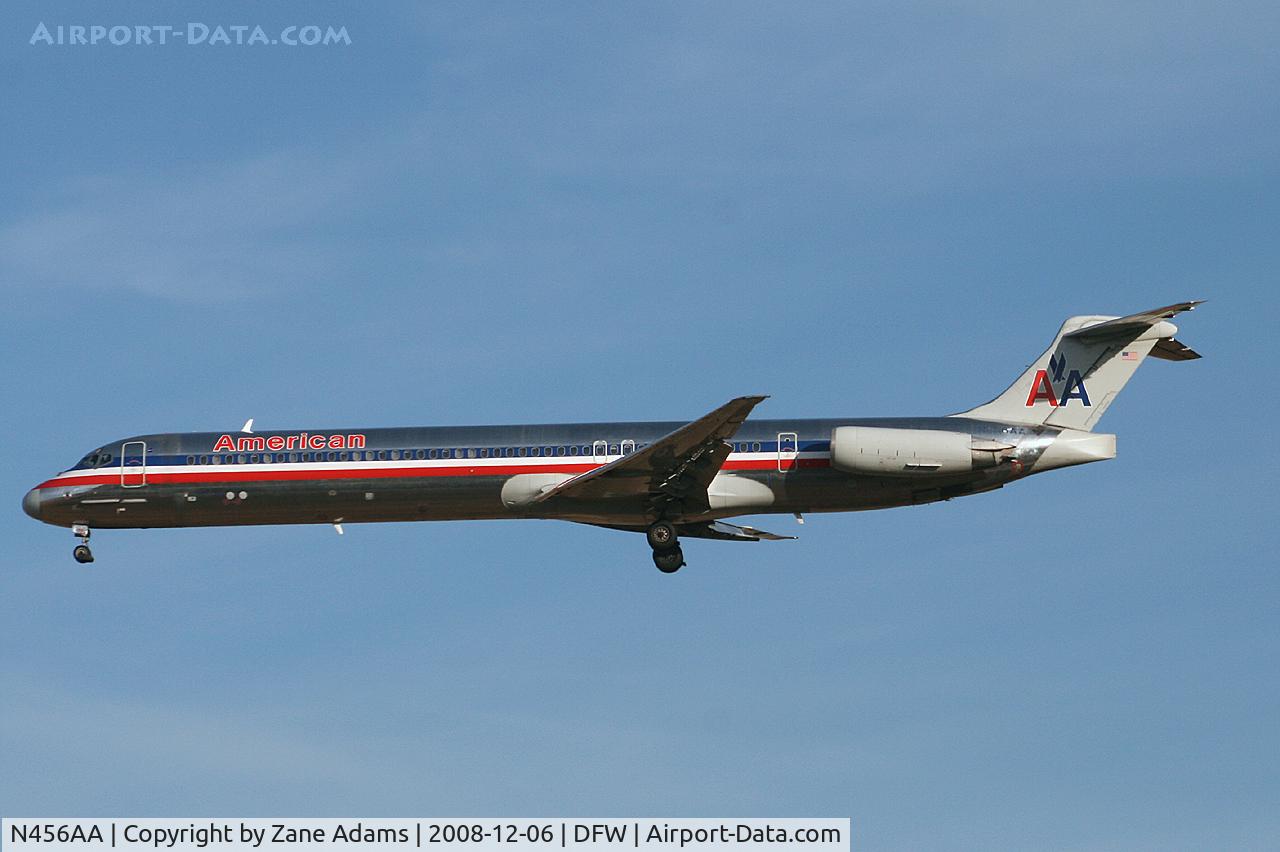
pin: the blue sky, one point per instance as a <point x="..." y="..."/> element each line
<point x="574" y="212"/>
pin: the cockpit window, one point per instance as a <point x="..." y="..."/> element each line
<point x="97" y="458"/>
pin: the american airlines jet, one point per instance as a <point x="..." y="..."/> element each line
<point x="666" y="480"/>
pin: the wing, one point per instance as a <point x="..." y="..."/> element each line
<point x="729" y="532"/>
<point x="673" y="471"/>
<point x="707" y="529"/>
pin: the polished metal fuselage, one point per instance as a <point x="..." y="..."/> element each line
<point x="789" y="458"/>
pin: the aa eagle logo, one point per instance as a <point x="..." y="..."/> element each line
<point x="1042" y="384"/>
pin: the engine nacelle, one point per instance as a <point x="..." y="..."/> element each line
<point x="910" y="452"/>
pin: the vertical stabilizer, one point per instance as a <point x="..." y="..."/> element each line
<point x="1075" y="380"/>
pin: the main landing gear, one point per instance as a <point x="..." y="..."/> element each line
<point x="667" y="554"/>
<point x="82" y="553"/>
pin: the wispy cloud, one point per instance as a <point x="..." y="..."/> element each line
<point x="211" y="232"/>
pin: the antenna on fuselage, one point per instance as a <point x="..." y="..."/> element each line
<point x="247" y="428"/>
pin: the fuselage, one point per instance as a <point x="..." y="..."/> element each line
<point x="355" y="475"/>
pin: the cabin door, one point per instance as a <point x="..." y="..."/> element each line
<point x="788" y="449"/>
<point x="133" y="464"/>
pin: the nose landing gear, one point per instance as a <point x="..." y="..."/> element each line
<point x="82" y="553"/>
<point x="667" y="554"/>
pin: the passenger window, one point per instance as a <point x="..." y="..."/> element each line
<point x="216" y="459"/>
<point x="293" y="457"/>
<point x="613" y="449"/>
<point x="755" y="447"/>
<point x="395" y="455"/>
<point x="560" y="451"/>
<point x="431" y="454"/>
<point x="573" y="451"/>
<point x="421" y="455"/>
<point x="191" y="459"/>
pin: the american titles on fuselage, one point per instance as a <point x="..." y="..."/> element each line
<point x="300" y="441"/>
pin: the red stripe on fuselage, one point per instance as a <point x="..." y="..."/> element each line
<point x="229" y="473"/>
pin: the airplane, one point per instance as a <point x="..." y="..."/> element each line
<point x="668" y="480"/>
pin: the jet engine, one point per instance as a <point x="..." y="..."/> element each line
<point x="911" y="452"/>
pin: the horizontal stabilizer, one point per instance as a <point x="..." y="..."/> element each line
<point x="1169" y="349"/>
<point x="1134" y="322"/>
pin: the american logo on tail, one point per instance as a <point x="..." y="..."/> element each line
<point x="1042" y="386"/>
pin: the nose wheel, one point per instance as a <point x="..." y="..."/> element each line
<point x="82" y="553"/>
<point x="667" y="554"/>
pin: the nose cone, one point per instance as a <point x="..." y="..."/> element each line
<point x="31" y="503"/>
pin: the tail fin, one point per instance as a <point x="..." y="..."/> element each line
<point x="1072" y="384"/>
